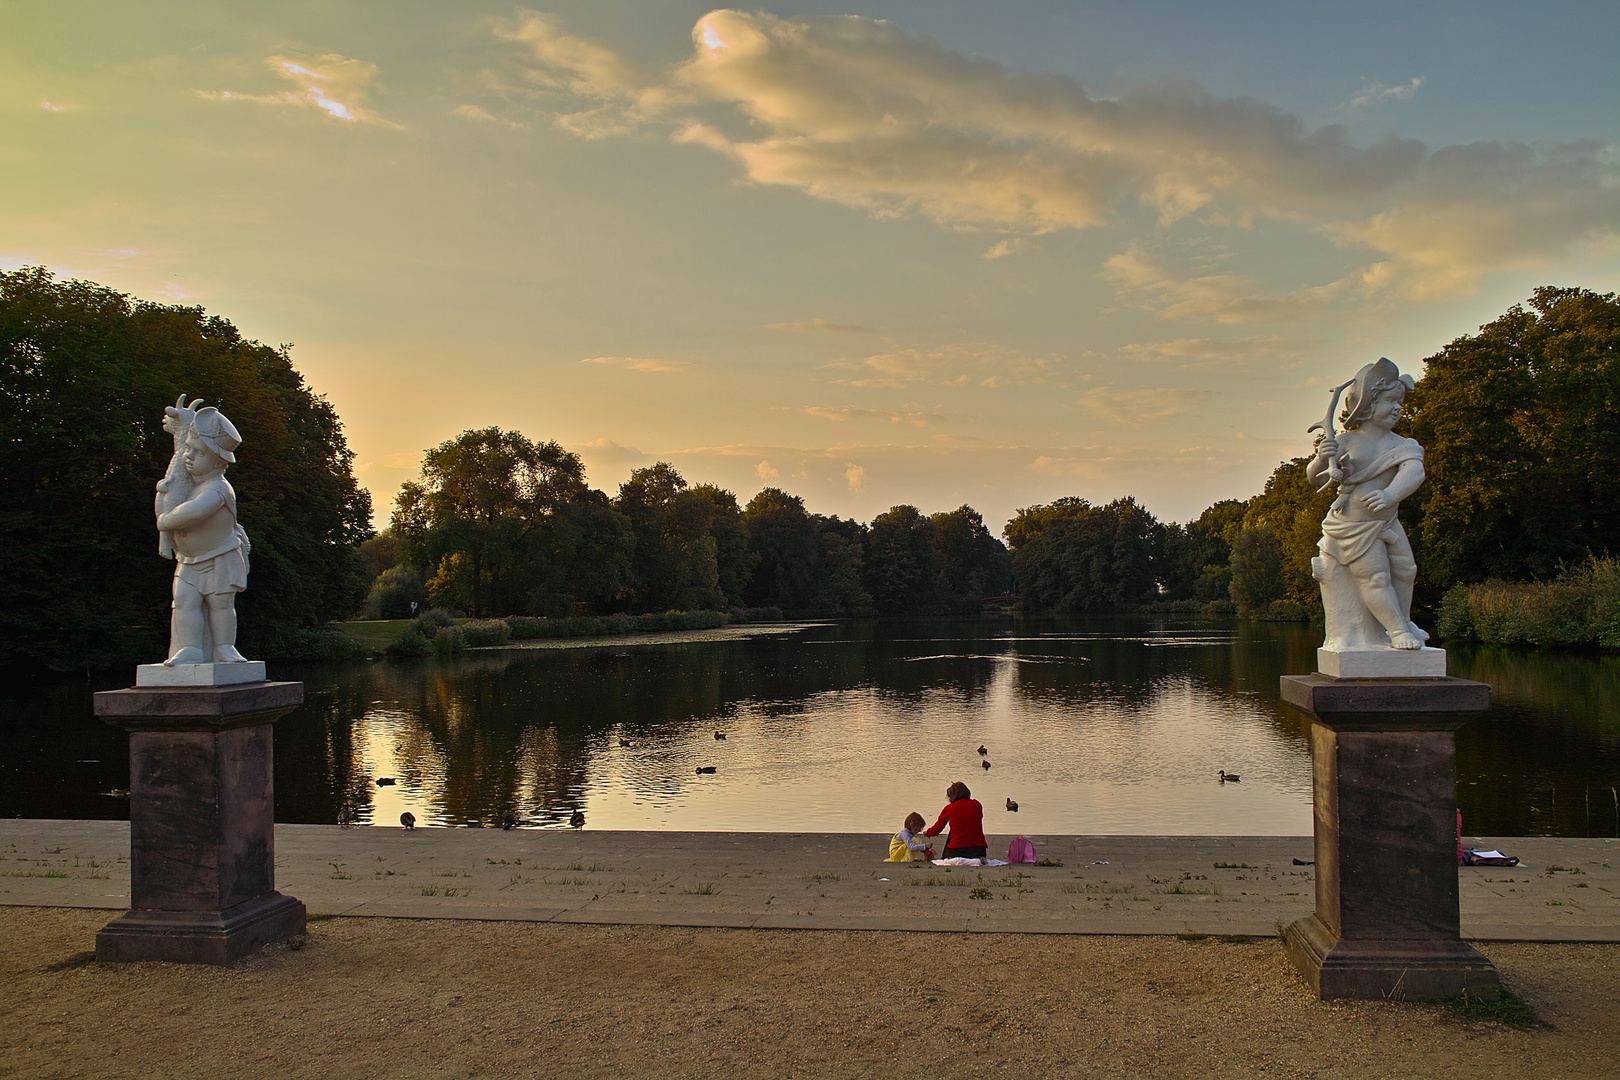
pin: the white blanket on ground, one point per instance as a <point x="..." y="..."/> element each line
<point x="970" y="862"/>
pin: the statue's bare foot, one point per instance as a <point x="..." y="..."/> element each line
<point x="227" y="654"/>
<point x="188" y="655"/>
<point x="1400" y="639"/>
<point x="1421" y="635"/>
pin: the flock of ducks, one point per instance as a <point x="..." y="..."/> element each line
<point x="345" y="818"/>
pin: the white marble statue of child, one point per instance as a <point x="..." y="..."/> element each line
<point x="209" y="546"/>
<point x="1362" y="532"/>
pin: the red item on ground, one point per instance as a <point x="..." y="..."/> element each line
<point x="966" y="819"/>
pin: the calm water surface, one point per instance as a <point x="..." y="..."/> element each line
<point x="1092" y="726"/>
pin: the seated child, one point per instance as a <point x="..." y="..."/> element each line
<point x="903" y="845"/>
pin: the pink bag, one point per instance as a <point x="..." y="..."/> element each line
<point x="1021" y="850"/>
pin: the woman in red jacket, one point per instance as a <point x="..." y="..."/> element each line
<point x="966" y="818"/>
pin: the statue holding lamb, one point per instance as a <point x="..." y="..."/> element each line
<point x="1366" y="567"/>
<point x="197" y="528"/>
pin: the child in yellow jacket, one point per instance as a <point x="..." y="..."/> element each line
<point x="903" y="845"/>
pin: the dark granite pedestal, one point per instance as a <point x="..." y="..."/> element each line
<point x="201" y="824"/>
<point x="1384" y="761"/>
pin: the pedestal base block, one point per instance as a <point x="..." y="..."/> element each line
<point x="199" y="674"/>
<point x="200" y="937"/>
<point x="1385" y="663"/>
<point x="1394" y="970"/>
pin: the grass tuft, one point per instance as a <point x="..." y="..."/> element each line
<point x="1506" y="1008"/>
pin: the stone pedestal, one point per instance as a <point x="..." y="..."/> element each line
<point x="1386" y="923"/>
<point x="201" y="824"/>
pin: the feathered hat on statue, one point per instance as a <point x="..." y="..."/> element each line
<point x="1370" y="381"/>
<point x="217" y="433"/>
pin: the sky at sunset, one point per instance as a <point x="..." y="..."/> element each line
<point x="918" y="251"/>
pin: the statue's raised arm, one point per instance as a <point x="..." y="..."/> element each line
<point x="1366" y="566"/>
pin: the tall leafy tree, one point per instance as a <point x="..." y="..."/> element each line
<point x="973" y="563"/>
<point x="1070" y="556"/>
<point x="1195" y="558"/>
<point x="85" y="373"/>
<point x="507" y="526"/>
<point x="1521" y="427"/>
<point x="903" y="568"/>
<point x="1291" y="512"/>
<point x="786" y="541"/>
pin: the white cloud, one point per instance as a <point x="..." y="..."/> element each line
<point x="766" y="471"/>
<point x="1138" y="407"/>
<point x="961" y="365"/>
<point x="1376" y="93"/>
<point x="607" y="453"/>
<point x="1221" y="298"/>
<point x="1487" y="206"/>
<point x="850" y="412"/>
<point x="818" y="326"/>
<point x="636" y="363"/>
<point x="1005" y="248"/>
<point x="855" y="477"/>
<point x="331" y="84"/>
<point x="480" y="115"/>
<point x="1189" y="354"/>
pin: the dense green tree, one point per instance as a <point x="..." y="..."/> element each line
<point x="734" y="563"/>
<point x="1292" y="512"/>
<point x="1521" y="428"/>
<point x="974" y="564"/>
<point x="786" y="542"/>
<point x="676" y="566"/>
<point x="85" y="373"/>
<point x="501" y="525"/>
<point x="903" y="567"/>
<point x="839" y="579"/>
<point x="1070" y="556"/>
<point x="1258" y="581"/>
<point x="1195" y="558"/>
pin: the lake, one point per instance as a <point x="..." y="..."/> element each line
<point x="1103" y="725"/>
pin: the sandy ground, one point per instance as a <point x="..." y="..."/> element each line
<point x="438" y="998"/>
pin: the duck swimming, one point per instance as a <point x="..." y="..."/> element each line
<point x="719" y="736"/>
<point x="986" y="764"/>
<point x="385" y="781"/>
<point x="982" y="750"/>
<point x="1012" y="806"/>
<point x="578" y="819"/>
<point x="1229" y="778"/>
<point x="705" y="769"/>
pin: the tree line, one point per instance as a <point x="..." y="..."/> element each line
<point x="500" y="525"/>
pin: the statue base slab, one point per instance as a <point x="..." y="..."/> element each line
<point x="200" y="674"/>
<point x="1384" y="663"/>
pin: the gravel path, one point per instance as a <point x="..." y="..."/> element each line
<point x="439" y="998"/>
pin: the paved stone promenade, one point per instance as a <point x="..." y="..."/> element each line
<point x="1566" y="890"/>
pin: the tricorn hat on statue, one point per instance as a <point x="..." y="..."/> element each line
<point x="216" y="432"/>
<point x="1370" y="381"/>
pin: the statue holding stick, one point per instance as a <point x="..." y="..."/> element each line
<point x="1366" y="566"/>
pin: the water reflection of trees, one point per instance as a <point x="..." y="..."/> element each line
<point x="524" y="729"/>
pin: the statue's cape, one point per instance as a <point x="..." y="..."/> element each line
<point x="1348" y="539"/>
<point x="1356" y="473"/>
